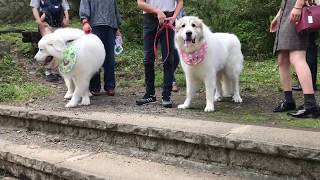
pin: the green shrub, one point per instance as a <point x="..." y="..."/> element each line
<point x="13" y="84"/>
<point x="248" y="19"/>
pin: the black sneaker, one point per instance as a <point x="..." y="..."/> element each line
<point x="306" y="113"/>
<point x="146" y="99"/>
<point x="285" y="106"/>
<point x="52" y="78"/>
<point x="166" y="103"/>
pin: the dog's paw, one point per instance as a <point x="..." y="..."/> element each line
<point x="217" y="99"/>
<point x="71" y="105"/>
<point x="182" y="106"/>
<point x="67" y="96"/>
<point x="237" y="99"/>
<point x="85" y="101"/>
<point x="209" y="109"/>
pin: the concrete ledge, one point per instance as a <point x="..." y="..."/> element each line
<point x="32" y="163"/>
<point x="35" y="162"/>
<point x="283" y="152"/>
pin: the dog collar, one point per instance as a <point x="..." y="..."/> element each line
<point x="69" y="59"/>
<point x="195" y="57"/>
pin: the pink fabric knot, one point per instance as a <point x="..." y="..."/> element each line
<point x="195" y="57"/>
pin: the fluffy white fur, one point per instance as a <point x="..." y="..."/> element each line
<point x="90" y="57"/>
<point x="221" y="67"/>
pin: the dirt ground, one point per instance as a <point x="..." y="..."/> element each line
<point x="256" y="107"/>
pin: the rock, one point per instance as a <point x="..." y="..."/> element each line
<point x="9" y="178"/>
<point x="56" y="139"/>
<point x="32" y="72"/>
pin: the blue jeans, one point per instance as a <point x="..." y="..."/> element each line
<point x="150" y="25"/>
<point x="107" y="35"/>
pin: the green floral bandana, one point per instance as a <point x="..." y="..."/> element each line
<point x="69" y="59"/>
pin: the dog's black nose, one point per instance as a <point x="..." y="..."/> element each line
<point x="189" y="33"/>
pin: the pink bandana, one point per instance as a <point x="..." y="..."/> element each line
<point x="196" y="57"/>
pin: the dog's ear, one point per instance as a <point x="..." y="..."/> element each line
<point x="179" y="24"/>
<point x="198" y="22"/>
<point x="57" y="44"/>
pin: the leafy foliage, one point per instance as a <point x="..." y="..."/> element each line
<point x="13" y="85"/>
<point x="248" y="19"/>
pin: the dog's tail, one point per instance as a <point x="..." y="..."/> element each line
<point x="69" y="34"/>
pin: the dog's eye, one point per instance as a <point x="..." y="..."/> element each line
<point x="40" y="49"/>
<point x="193" y="25"/>
<point x="183" y="25"/>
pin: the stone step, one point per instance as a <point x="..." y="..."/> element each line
<point x="284" y="153"/>
<point x="35" y="162"/>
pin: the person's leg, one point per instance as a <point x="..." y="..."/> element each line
<point x="284" y="70"/>
<point x="149" y="33"/>
<point x="312" y="55"/>
<point x="176" y="61"/>
<point x="95" y="84"/>
<point x="109" y="63"/>
<point x="285" y="80"/>
<point x="150" y="24"/>
<point x="167" y="49"/>
<point x="298" y="60"/>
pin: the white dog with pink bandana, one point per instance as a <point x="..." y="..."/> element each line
<point x="214" y="59"/>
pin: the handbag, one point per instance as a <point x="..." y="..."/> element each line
<point x="310" y="19"/>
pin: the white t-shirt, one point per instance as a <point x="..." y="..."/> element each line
<point x="164" y="5"/>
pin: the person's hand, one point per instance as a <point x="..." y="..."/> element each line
<point x="274" y="25"/>
<point x="307" y="3"/>
<point x="295" y="15"/>
<point x="171" y="20"/>
<point x="161" y="16"/>
<point x="118" y="33"/>
<point x="65" y="22"/>
<point x="40" y="21"/>
<point x="86" y="26"/>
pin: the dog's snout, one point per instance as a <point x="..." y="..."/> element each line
<point x="189" y="33"/>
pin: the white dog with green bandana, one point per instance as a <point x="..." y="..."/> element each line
<point x="78" y="57"/>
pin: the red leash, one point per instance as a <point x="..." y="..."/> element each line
<point x="165" y="26"/>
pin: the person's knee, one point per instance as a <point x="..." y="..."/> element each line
<point x="297" y="58"/>
<point x="283" y="62"/>
<point x="149" y="57"/>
